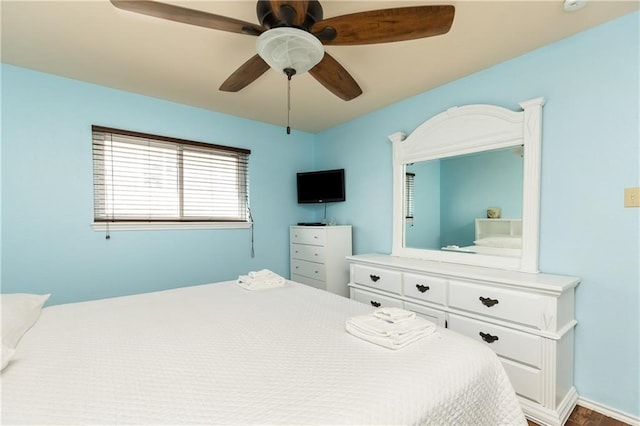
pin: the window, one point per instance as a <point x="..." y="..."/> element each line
<point x="408" y="195"/>
<point x="141" y="178"/>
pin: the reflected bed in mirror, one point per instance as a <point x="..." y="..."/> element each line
<point x="449" y="196"/>
<point x="496" y="237"/>
<point x="466" y="187"/>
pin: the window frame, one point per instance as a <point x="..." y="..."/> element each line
<point x="181" y="222"/>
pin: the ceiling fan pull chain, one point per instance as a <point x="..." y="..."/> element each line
<point x="288" y="104"/>
<point x="289" y="72"/>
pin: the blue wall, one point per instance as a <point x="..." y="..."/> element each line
<point x="48" y="245"/>
<point x="472" y="183"/>
<point x="590" y="154"/>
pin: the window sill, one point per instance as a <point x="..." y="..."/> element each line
<point x="158" y="226"/>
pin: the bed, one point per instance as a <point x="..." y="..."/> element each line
<point x="219" y="354"/>
<point x="495" y="237"/>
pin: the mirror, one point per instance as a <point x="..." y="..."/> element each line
<point x="466" y="187"/>
<point x="447" y="199"/>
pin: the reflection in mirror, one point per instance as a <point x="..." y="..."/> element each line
<point x="447" y="195"/>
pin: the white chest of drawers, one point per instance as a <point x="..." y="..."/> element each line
<point x="527" y="319"/>
<point x="318" y="256"/>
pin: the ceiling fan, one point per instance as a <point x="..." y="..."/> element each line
<point x="291" y="35"/>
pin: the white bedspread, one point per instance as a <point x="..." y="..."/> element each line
<point x="218" y="354"/>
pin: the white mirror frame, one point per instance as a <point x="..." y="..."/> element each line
<point x="464" y="130"/>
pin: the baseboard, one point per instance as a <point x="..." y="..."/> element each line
<point x="546" y="416"/>
<point x="609" y="412"/>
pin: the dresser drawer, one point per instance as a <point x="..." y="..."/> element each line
<point x="518" y="346"/>
<point x="375" y="300"/>
<point x="307" y="252"/>
<point x="510" y="305"/>
<point x="435" y="316"/>
<point x="309" y="281"/>
<point x="313" y="236"/>
<point x="425" y="287"/>
<point x="308" y="269"/>
<point x="526" y="381"/>
<point x="381" y="279"/>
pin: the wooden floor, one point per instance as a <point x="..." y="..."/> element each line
<point x="584" y="417"/>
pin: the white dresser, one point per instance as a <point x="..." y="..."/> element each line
<point x="318" y="257"/>
<point x="527" y="319"/>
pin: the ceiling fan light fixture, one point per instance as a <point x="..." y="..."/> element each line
<point x="289" y="48"/>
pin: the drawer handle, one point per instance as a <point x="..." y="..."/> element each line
<point x="374" y="278"/>
<point x="375" y="304"/>
<point x="488" y="302"/>
<point x="488" y="338"/>
<point x="422" y="288"/>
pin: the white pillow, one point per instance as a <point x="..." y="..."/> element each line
<point x="6" y="353"/>
<point x="19" y="312"/>
<point x="500" y="242"/>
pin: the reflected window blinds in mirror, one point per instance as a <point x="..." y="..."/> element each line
<point x="465" y="161"/>
<point x="408" y="196"/>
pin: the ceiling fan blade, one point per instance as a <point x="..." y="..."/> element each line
<point x="335" y="78"/>
<point x="188" y="16"/>
<point x="245" y="75"/>
<point x="387" y="25"/>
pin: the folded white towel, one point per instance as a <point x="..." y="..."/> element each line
<point x="394" y="314"/>
<point x="373" y="325"/>
<point x="265" y="281"/>
<point x="391" y="335"/>
<point x="386" y="341"/>
<point x="262" y="274"/>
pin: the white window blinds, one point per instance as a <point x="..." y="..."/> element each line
<point x="139" y="177"/>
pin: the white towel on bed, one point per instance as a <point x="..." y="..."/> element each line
<point x="394" y="314"/>
<point x="260" y="280"/>
<point x="389" y="334"/>
<point x="263" y="274"/>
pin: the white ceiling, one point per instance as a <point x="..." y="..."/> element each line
<point x="92" y="41"/>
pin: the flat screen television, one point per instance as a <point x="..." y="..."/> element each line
<point x="324" y="186"/>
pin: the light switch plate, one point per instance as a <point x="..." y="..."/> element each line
<point x="632" y="197"/>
